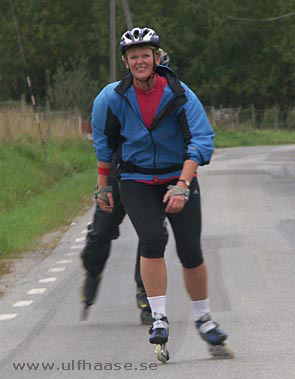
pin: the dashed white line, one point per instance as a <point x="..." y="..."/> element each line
<point x="57" y="269"/>
<point x="47" y="280"/>
<point x="76" y="247"/>
<point x="7" y="316"/>
<point x="36" y="291"/>
<point x="72" y="254"/>
<point x="23" y="303"/>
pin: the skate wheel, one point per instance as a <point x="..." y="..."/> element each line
<point x="162" y="353"/>
<point x="221" y="351"/>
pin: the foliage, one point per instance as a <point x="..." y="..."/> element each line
<point x="72" y="88"/>
<point x="227" y="61"/>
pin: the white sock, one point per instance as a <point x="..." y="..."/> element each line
<point x="157" y="304"/>
<point x="200" y="308"/>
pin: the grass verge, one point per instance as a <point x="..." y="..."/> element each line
<point x="253" y="137"/>
<point x="45" y="212"/>
<point x="40" y="194"/>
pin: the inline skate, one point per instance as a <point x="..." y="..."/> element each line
<point x="159" y="333"/>
<point x="143" y="305"/>
<point x="88" y="292"/>
<point x="211" y="333"/>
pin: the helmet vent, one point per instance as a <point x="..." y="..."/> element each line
<point x="136" y="34"/>
<point x="129" y="36"/>
<point x="144" y="32"/>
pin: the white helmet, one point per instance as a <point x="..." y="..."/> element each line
<point x="139" y="37"/>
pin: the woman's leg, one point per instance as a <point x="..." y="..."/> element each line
<point x="186" y="227"/>
<point x="196" y="282"/>
<point x="143" y="204"/>
<point x="154" y="275"/>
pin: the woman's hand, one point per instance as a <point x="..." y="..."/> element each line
<point x="175" y="197"/>
<point x="175" y="203"/>
<point x="105" y="199"/>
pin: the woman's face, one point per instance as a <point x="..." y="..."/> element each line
<point x="140" y="61"/>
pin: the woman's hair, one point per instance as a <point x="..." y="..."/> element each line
<point x="156" y="50"/>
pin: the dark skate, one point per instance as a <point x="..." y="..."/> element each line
<point x="215" y="338"/>
<point x="88" y="293"/>
<point x="143" y="305"/>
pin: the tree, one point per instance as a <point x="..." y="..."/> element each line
<point x="216" y="47"/>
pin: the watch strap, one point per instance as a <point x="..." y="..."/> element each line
<point x="186" y="182"/>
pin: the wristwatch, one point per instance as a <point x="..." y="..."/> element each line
<point x="186" y="182"/>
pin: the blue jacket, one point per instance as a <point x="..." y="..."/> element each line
<point x="180" y="130"/>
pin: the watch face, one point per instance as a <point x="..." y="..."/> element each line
<point x="186" y="182"/>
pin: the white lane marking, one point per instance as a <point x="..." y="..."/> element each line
<point x="80" y="239"/>
<point x="7" y="316"/>
<point x="23" y="303"/>
<point x="76" y="247"/>
<point x="72" y="254"/>
<point x="36" y="291"/>
<point x="84" y="231"/>
<point x="47" y="280"/>
<point x="57" y="269"/>
<point x="64" y="261"/>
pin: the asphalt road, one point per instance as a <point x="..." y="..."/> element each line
<point x="248" y="197"/>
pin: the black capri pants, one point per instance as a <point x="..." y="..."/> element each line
<point x="146" y="210"/>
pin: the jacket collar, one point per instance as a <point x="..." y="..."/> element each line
<point x="172" y="80"/>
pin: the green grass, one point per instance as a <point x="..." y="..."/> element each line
<point x="38" y="195"/>
<point x="253" y="137"/>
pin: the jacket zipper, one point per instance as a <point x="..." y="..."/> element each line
<point x="154" y="146"/>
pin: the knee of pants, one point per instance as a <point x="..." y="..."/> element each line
<point x="101" y="234"/>
<point x="154" y="246"/>
<point x="193" y="260"/>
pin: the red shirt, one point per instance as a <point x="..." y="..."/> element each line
<point x="149" y="100"/>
